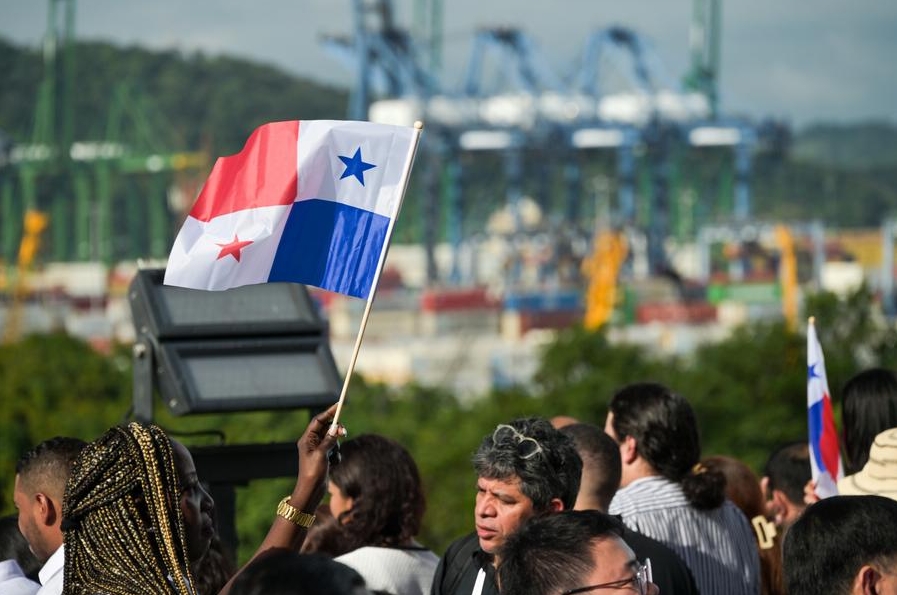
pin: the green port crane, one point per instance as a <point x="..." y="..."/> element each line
<point x="704" y="41"/>
<point x="83" y="183"/>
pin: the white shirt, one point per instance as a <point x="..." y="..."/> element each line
<point x="51" y="574"/>
<point x="13" y="581"/>
<point x="394" y="570"/>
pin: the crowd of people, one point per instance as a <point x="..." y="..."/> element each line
<point x="562" y="506"/>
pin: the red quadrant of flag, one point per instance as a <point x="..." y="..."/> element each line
<point x="263" y="174"/>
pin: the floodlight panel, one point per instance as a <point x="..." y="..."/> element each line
<point x="176" y="312"/>
<point x="257" y="374"/>
<point x="246" y="375"/>
<point x="252" y="304"/>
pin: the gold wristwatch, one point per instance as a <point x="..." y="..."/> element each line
<point x="294" y="515"/>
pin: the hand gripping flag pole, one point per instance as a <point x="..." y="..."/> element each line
<point x="406" y="175"/>
<point x="825" y="458"/>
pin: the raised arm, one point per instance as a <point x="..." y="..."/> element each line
<point x="311" y="483"/>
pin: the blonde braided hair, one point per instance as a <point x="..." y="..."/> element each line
<point x="122" y="523"/>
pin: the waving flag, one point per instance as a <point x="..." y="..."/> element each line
<point x="310" y="201"/>
<point x="825" y="457"/>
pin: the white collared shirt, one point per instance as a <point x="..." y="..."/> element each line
<point x="13" y="581"/>
<point x="51" y="574"/>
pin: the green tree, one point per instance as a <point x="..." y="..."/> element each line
<point x="55" y="385"/>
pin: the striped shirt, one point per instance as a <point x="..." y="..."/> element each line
<point x="717" y="545"/>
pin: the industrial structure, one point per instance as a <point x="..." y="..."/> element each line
<point x="552" y="134"/>
<point x="594" y="176"/>
<point x="106" y="196"/>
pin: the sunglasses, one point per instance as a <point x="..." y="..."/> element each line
<point x="526" y="447"/>
<point x="639" y="580"/>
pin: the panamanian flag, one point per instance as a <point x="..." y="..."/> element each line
<point x="310" y="201"/>
<point x="825" y="457"/>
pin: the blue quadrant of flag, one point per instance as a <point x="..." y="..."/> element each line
<point x="330" y="245"/>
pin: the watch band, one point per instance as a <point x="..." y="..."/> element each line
<point x="294" y="515"/>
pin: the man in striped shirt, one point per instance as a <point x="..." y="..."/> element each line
<point x="666" y="494"/>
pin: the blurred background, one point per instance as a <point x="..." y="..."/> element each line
<point x="605" y="192"/>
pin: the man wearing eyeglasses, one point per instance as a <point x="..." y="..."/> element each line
<point x="525" y="469"/>
<point x="572" y="552"/>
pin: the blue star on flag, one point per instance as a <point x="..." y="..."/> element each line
<point x="811" y="372"/>
<point x="355" y="166"/>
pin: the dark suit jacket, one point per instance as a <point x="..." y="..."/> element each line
<point x="458" y="569"/>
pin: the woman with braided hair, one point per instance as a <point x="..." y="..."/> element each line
<point x="129" y="528"/>
<point x="123" y="530"/>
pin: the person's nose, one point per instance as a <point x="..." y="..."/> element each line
<point x="485" y="507"/>
<point x="206" y="503"/>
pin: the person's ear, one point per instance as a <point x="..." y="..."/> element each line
<point x="48" y="513"/>
<point x="867" y="581"/>
<point x="628" y="450"/>
<point x="555" y="505"/>
<point x="779" y="506"/>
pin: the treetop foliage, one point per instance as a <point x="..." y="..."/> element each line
<point x="749" y="393"/>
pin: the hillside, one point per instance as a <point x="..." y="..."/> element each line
<point x="844" y="175"/>
<point x="861" y="146"/>
<point x="190" y="101"/>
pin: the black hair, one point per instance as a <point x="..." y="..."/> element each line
<point x="280" y="571"/>
<point x="666" y="436"/>
<point x="46" y="467"/>
<point x="14" y="546"/>
<point x="325" y="536"/>
<point x="600" y="460"/>
<point x="552" y="473"/>
<point x="214" y="569"/>
<point x="123" y="529"/>
<point x="788" y="470"/>
<point x="869" y="407"/>
<point x="382" y="479"/>
<point x="553" y="553"/>
<point x="834" y="538"/>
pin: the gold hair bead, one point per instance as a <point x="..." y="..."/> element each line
<point x="294" y="515"/>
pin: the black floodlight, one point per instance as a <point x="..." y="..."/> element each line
<point x="175" y="312"/>
<point x="252" y="348"/>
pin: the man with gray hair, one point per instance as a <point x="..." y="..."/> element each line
<point x="524" y="469"/>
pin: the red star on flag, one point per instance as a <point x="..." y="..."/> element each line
<point x="233" y="248"/>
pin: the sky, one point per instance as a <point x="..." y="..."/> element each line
<point x="800" y="61"/>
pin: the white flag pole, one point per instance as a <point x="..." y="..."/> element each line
<point x="406" y="175"/>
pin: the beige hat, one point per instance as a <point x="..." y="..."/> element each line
<point x="879" y="474"/>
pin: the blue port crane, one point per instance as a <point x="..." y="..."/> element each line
<point x="511" y="101"/>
